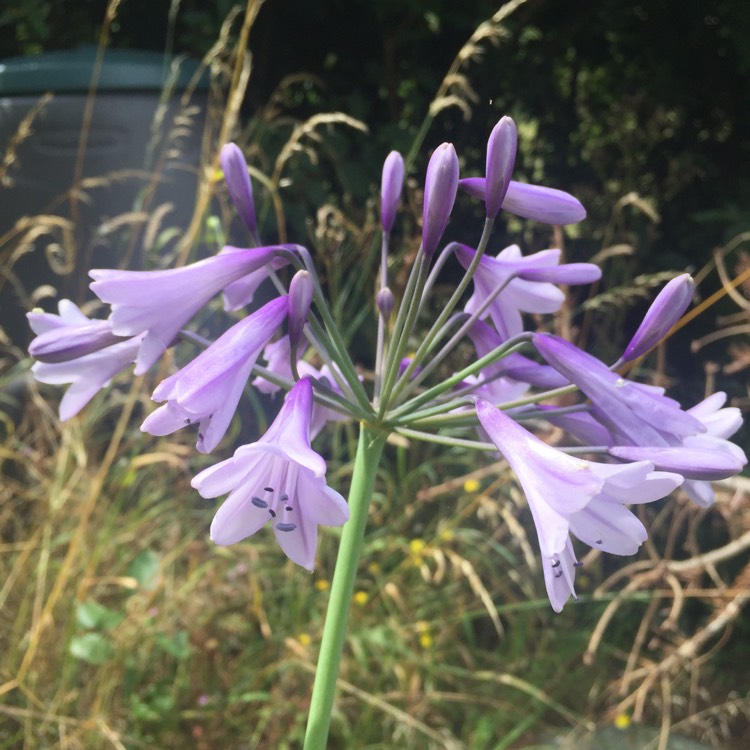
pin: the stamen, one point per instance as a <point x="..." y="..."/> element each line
<point x="577" y="564"/>
<point x="289" y="509"/>
<point x="558" y="574"/>
<point x="599" y="541"/>
<point x="556" y="564"/>
<point x="286" y="526"/>
<point x="268" y="489"/>
<point x="188" y="421"/>
<point x="258" y="502"/>
<point x="272" y="512"/>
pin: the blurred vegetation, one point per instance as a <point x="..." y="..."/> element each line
<point x="121" y="626"/>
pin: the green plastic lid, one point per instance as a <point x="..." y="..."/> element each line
<point x="71" y="71"/>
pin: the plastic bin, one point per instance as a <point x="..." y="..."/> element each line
<point x="128" y="165"/>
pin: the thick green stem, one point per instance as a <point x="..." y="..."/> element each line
<point x="366" y="463"/>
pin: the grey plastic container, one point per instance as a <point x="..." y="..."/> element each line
<point x="126" y="165"/>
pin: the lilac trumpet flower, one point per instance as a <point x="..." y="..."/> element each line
<point x="440" y="186"/>
<point x="720" y="423"/>
<point x="279" y="478"/>
<point x="635" y="414"/>
<point x="519" y="295"/>
<point x="69" y="335"/>
<point x="568" y="494"/>
<point x="665" y="311"/>
<point x="74" y="349"/>
<point x="547" y="205"/>
<point x="238" y="183"/>
<point x="159" y="303"/>
<point x="390" y="189"/>
<point x="208" y="389"/>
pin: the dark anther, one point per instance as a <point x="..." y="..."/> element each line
<point x="284" y="498"/>
<point x="272" y="512"/>
<point x="268" y="489"/>
<point x="577" y="564"/>
<point x="289" y="508"/>
<point x="556" y="564"/>
<point x="187" y="421"/>
<point x="258" y="502"/>
<point x="200" y="436"/>
<point x="600" y="541"/>
<point x="558" y="574"/>
<point x="286" y="526"/>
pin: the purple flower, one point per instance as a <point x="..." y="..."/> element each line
<point x="665" y="311"/>
<point x="635" y="414"/>
<point x="159" y="303"/>
<point x="567" y="494"/>
<point x="277" y="356"/>
<point x="279" y="479"/>
<point x="69" y="335"/>
<point x="501" y="157"/>
<point x="519" y="295"/>
<point x="208" y="389"/>
<point x="720" y="423"/>
<point x="440" y="186"/>
<point x="238" y="183"/>
<point x="543" y="204"/>
<point x="87" y="374"/>
<point x="390" y="189"/>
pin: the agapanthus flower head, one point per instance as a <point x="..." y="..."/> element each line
<point x="390" y="189"/>
<point x="68" y="335"/>
<point x="547" y="205"/>
<point x="665" y="311"/>
<point x="440" y="186"/>
<point x="568" y="494"/>
<point x="519" y="295"/>
<point x="207" y="390"/>
<point x="278" y="479"/>
<point x="501" y="157"/>
<point x="239" y="186"/>
<point x="159" y="303"/>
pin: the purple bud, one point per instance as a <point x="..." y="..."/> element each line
<point x="385" y="302"/>
<point x="300" y="299"/>
<point x="501" y="156"/>
<point x="440" y="186"/>
<point x="664" y="312"/>
<point x="390" y="189"/>
<point x="238" y="184"/>
<point x="569" y="273"/>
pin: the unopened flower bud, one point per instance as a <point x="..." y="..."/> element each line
<point x="664" y="312"/>
<point x="390" y="189"/>
<point x="441" y="184"/>
<point x="385" y="302"/>
<point x="300" y="299"/>
<point x="238" y="183"/>
<point x="501" y="156"/>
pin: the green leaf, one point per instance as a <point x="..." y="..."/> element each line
<point x="92" y="648"/>
<point x="145" y="569"/>
<point x="91" y="614"/>
<point x="176" y="645"/>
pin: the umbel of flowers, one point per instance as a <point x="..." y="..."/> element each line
<point x="630" y="443"/>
